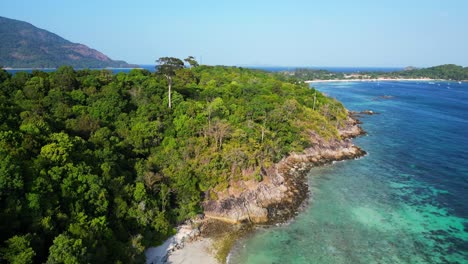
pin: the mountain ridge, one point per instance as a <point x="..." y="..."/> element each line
<point x="27" y="46"/>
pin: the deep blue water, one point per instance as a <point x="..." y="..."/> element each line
<point x="405" y="202"/>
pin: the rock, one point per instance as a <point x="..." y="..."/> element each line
<point x="368" y="112"/>
<point x="284" y="187"/>
<point x="364" y="112"/>
<point x="386" y="97"/>
<point x="351" y="128"/>
<point x="382" y="97"/>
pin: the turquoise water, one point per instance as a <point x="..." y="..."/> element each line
<point x="405" y="202"/>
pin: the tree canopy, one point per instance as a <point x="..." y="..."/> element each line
<point x="191" y="61"/>
<point x="94" y="167"/>
<point x="445" y="72"/>
<point x="168" y="66"/>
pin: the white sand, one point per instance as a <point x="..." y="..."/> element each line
<point x="373" y="80"/>
<point x="186" y="246"/>
<point x="157" y="255"/>
<point x="193" y="253"/>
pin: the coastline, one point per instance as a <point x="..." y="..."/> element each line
<point x="283" y="187"/>
<point x="383" y="80"/>
<point x="276" y="199"/>
<point x="199" y="240"/>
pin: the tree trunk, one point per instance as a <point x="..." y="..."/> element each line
<point x="263" y="132"/>
<point x="169" y="83"/>
<point x="315" y="97"/>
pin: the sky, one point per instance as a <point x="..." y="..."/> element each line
<point x="368" y="33"/>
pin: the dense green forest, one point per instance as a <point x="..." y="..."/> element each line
<point x="94" y="167"/>
<point x="305" y="74"/>
<point x="445" y="72"/>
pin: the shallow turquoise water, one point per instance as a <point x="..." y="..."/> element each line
<point x="406" y="202"/>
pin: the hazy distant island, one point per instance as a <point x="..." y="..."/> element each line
<point x="26" y="46"/>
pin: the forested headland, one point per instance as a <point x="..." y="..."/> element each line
<point x="95" y="167"/>
<point x="442" y="72"/>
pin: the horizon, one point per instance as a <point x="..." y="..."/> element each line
<point x="260" y="67"/>
<point x="268" y="68"/>
<point x="393" y="34"/>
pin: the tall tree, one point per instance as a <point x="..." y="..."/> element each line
<point x="191" y="61"/>
<point x="167" y="66"/>
<point x="65" y="78"/>
<point x="4" y="75"/>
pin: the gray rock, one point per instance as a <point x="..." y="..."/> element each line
<point x="284" y="187"/>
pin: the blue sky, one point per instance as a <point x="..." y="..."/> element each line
<point x="249" y="32"/>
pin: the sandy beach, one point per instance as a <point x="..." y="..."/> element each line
<point x="199" y="251"/>
<point x="193" y="252"/>
<point x="375" y="80"/>
<point x="187" y="246"/>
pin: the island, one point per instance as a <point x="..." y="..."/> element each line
<point x="98" y="167"/>
<point x="26" y="46"/>
<point x="449" y="72"/>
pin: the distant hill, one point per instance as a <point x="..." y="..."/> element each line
<point x="23" y="45"/>
<point x="446" y="72"/>
<point x="442" y="72"/>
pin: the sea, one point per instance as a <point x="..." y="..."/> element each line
<point x="405" y="202"/>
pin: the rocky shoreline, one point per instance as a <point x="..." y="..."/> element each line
<point x="284" y="186"/>
<point x="275" y="199"/>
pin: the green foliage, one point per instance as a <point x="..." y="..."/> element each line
<point x="4" y="75"/>
<point x="97" y="167"/>
<point x="191" y="61"/>
<point x="445" y="72"/>
<point x="67" y="250"/>
<point x="64" y="78"/>
<point x="169" y="65"/>
<point x="18" y="250"/>
<point x="10" y="175"/>
<point x="312" y="74"/>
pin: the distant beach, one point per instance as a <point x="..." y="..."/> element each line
<point x="376" y="80"/>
